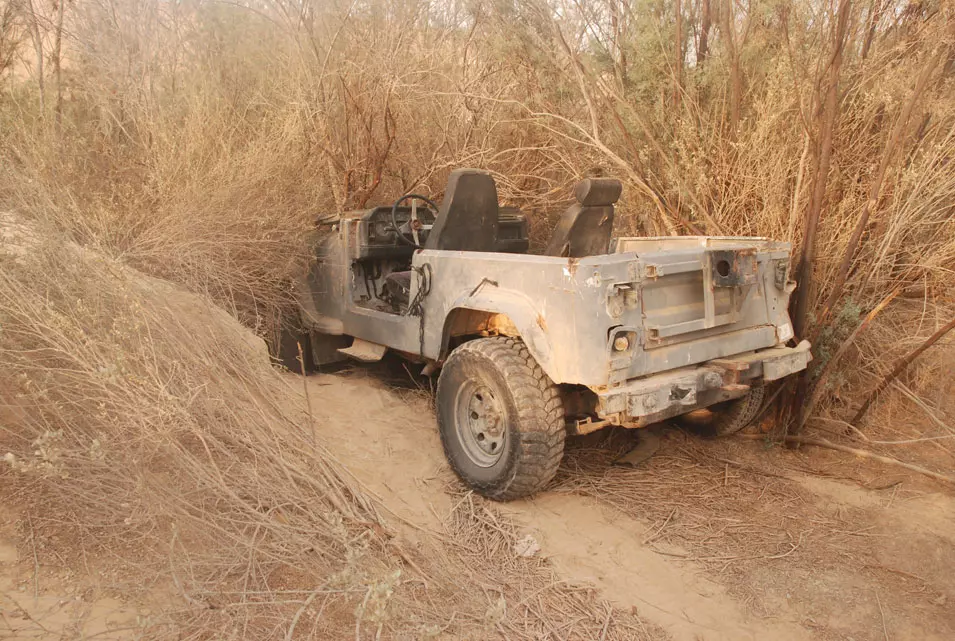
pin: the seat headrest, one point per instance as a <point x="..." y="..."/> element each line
<point x="598" y="192"/>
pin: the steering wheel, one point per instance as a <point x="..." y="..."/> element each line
<point x="413" y="223"/>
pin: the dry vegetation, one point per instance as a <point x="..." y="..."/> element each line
<point x="148" y="435"/>
<point x="141" y="425"/>
<point x="196" y="142"/>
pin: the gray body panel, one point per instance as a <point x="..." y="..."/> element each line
<point x="669" y="297"/>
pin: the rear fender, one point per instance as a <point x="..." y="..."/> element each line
<point x="496" y="311"/>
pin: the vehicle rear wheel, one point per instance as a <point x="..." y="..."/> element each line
<point x="500" y="417"/>
<point x="734" y="415"/>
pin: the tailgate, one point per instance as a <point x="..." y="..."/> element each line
<point x="696" y="289"/>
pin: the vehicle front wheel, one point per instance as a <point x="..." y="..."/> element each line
<point x="500" y="417"/>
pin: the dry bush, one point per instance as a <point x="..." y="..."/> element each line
<point x="206" y="162"/>
<point x="141" y="424"/>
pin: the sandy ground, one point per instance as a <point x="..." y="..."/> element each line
<point x="821" y="557"/>
<point x="706" y="541"/>
<point x="40" y="602"/>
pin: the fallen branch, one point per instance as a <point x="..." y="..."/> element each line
<point x="818" y="442"/>
<point x="901" y="366"/>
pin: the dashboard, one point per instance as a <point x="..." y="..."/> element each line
<point x="379" y="239"/>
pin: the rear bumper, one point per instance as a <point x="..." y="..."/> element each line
<point x="646" y="400"/>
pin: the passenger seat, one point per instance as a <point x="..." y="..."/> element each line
<point x="585" y="228"/>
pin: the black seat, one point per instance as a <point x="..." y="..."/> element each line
<point x="586" y="227"/>
<point x="467" y="219"/>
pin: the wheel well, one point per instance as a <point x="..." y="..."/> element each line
<point x="464" y="324"/>
<point x="580" y="402"/>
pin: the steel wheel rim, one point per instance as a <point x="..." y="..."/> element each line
<point x="479" y="423"/>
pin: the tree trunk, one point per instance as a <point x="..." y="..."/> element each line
<point x="728" y="30"/>
<point x="706" y="21"/>
<point x="827" y="128"/>
<point x="678" y="56"/>
<point x="38" y="48"/>
<point x="875" y="13"/>
<point x="618" y="53"/>
<point x="57" y="67"/>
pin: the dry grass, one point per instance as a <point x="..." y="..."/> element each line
<point x="141" y="426"/>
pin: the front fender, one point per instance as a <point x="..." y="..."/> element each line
<point x="529" y="323"/>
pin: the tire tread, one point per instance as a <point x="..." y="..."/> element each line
<point x="740" y="412"/>
<point x="540" y="417"/>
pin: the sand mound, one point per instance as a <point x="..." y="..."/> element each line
<point x="146" y="427"/>
<point x="21" y="241"/>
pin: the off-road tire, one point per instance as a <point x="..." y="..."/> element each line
<point x="532" y="410"/>
<point x="734" y="415"/>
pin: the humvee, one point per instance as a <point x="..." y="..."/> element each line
<point x="597" y="331"/>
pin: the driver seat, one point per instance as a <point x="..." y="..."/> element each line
<point x="466" y="221"/>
